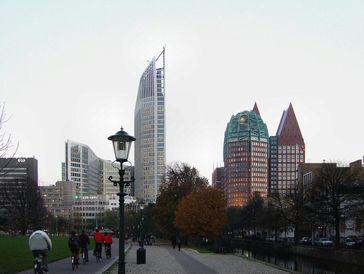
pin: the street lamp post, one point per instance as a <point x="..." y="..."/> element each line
<point x="56" y="225"/>
<point x="121" y="143"/>
<point x="141" y="243"/>
<point x="141" y="250"/>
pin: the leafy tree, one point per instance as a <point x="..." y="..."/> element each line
<point x="202" y="213"/>
<point x="294" y="207"/>
<point x="149" y="224"/>
<point x="252" y="212"/>
<point x="131" y="223"/>
<point x="272" y="220"/>
<point x="180" y="180"/>
<point x="111" y="219"/>
<point x="58" y="224"/>
<point x="234" y="219"/>
<point x="332" y="196"/>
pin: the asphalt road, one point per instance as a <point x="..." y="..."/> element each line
<point x="92" y="267"/>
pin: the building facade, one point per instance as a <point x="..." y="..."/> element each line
<point x="287" y="152"/>
<point x="149" y="130"/>
<point x="17" y="176"/>
<point x="112" y="169"/>
<point x="245" y="157"/>
<point x="218" y="178"/>
<point x="90" y="176"/>
<point x="89" y="211"/>
<point x="83" y="167"/>
<point x="59" y="198"/>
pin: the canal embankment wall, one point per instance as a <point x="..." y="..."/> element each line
<point x="350" y="256"/>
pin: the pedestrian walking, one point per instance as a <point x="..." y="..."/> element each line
<point x="173" y="239"/>
<point x="179" y="243"/>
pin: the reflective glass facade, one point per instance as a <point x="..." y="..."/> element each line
<point x="149" y="131"/>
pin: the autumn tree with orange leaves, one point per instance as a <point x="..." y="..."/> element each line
<point x="202" y="213"/>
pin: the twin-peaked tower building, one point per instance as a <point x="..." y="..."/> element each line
<point x="287" y="151"/>
<point x="257" y="163"/>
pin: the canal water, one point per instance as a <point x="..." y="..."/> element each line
<point x="302" y="264"/>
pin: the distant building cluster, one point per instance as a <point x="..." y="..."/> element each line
<point x="85" y="192"/>
<point x="255" y="162"/>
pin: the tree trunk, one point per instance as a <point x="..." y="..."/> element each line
<point x="337" y="231"/>
<point x="296" y="233"/>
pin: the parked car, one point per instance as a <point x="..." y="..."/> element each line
<point x="350" y="242"/>
<point x="305" y="240"/>
<point x="324" y="242"/>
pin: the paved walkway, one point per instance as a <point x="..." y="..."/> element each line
<point x="163" y="259"/>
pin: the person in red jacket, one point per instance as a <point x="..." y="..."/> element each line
<point x="99" y="240"/>
<point x="107" y="243"/>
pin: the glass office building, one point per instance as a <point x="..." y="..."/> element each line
<point x="149" y="130"/>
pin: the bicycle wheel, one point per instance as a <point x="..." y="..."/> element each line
<point x="83" y="257"/>
<point x="73" y="263"/>
<point x="38" y="268"/>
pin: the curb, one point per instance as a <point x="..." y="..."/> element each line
<point x="112" y="262"/>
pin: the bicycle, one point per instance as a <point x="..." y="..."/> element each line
<point x="108" y="251"/>
<point x="38" y="266"/>
<point x="74" y="262"/>
<point x="83" y="250"/>
<point x="97" y="252"/>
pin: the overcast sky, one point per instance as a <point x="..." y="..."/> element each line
<point x="70" y="70"/>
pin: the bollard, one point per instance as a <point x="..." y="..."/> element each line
<point x="141" y="255"/>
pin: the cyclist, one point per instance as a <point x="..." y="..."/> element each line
<point x="40" y="244"/>
<point x="107" y="243"/>
<point x="84" y="242"/>
<point x="74" y="246"/>
<point x="99" y="240"/>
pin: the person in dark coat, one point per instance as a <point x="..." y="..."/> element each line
<point x="74" y="246"/>
<point x="173" y="239"/>
<point x="179" y="243"/>
<point x="84" y="242"/>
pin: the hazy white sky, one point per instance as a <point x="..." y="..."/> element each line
<point x="70" y="70"/>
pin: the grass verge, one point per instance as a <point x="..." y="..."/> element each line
<point x="199" y="249"/>
<point x="16" y="256"/>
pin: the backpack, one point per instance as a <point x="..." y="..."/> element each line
<point x="73" y="242"/>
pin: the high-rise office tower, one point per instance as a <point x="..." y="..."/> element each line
<point x="287" y="151"/>
<point x="149" y="130"/>
<point x="245" y="157"/>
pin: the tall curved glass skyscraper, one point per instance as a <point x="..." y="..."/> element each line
<point x="149" y="130"/>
